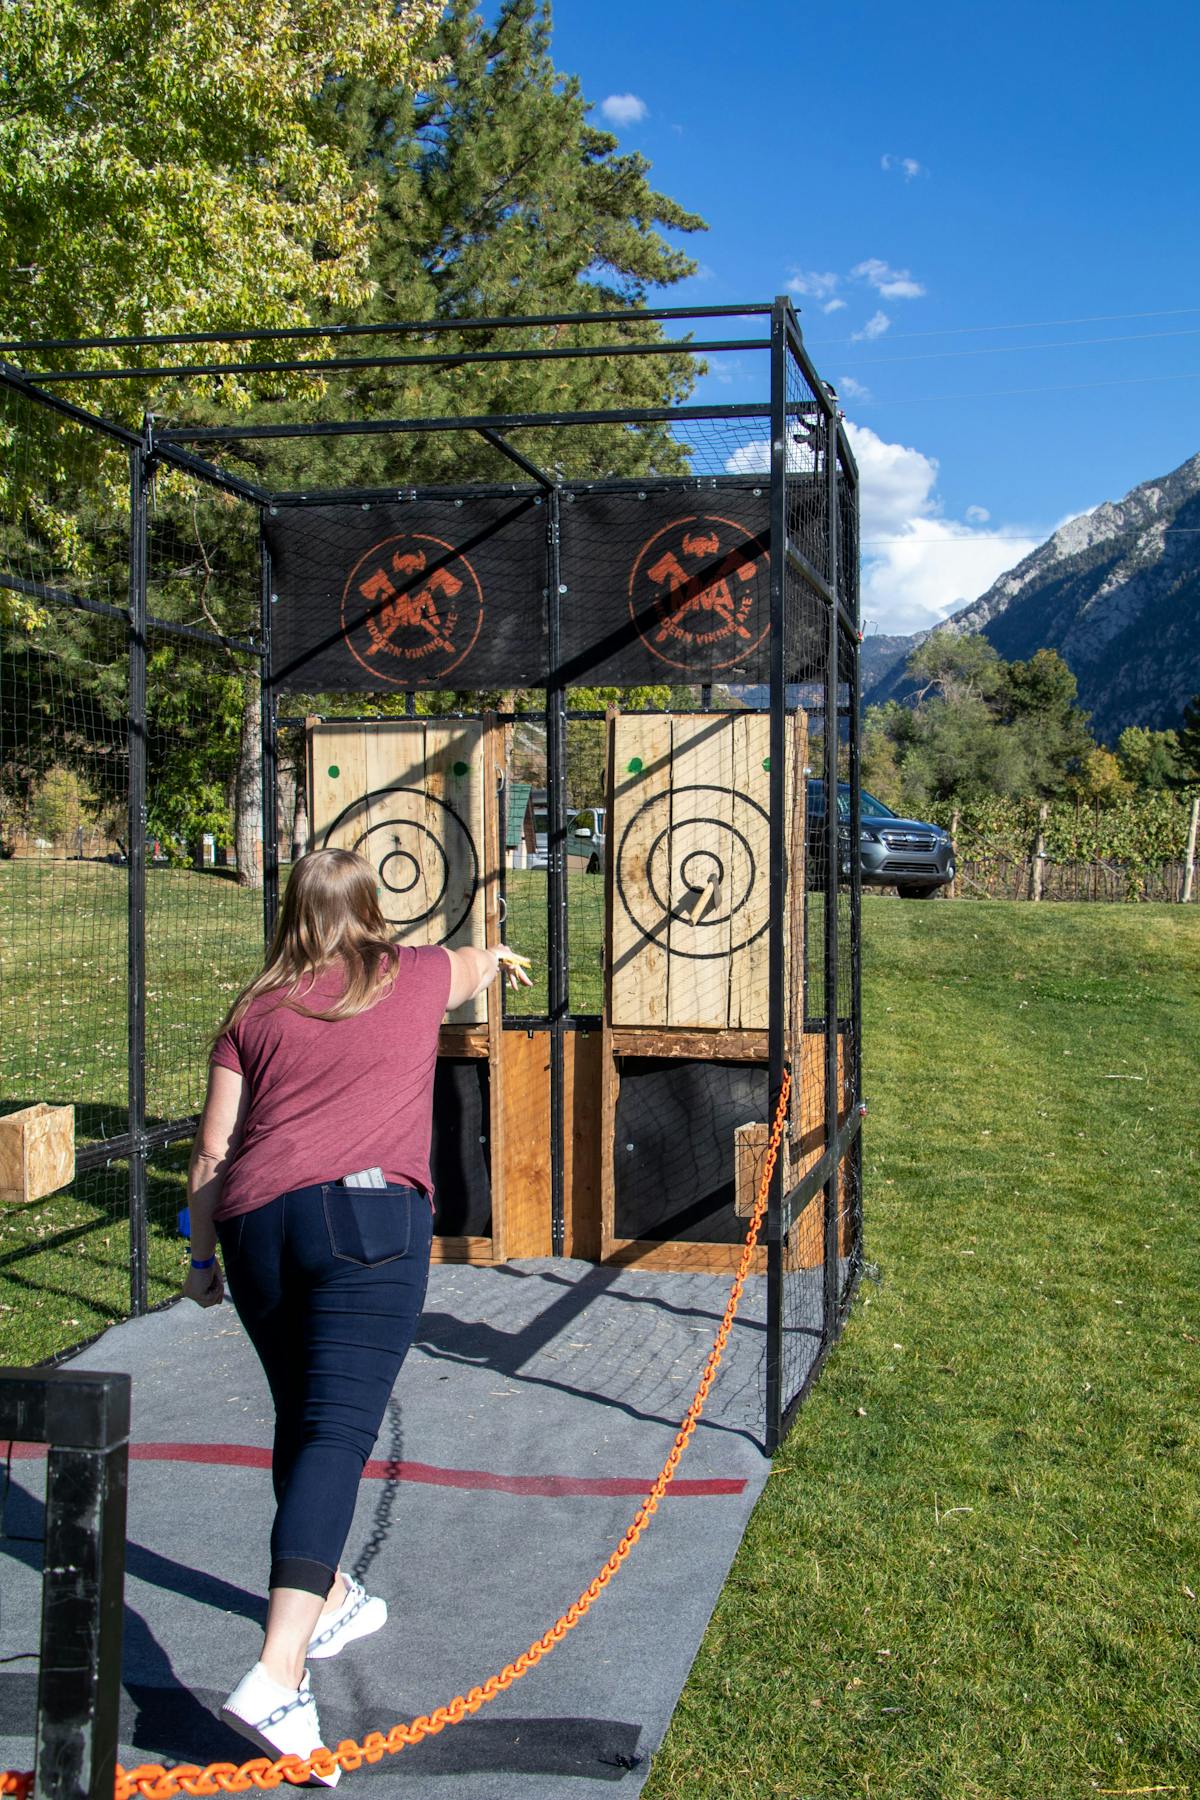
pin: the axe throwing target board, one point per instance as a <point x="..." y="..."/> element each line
<point x="689" y="846"/>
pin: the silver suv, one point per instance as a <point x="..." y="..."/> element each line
<point x="913" y="857"/>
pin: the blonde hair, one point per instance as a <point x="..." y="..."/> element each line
<point x="330" y="914"/>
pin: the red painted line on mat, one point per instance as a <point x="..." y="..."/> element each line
<point x="254" y="1456"/>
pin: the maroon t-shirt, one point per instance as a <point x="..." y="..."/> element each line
<point x="331" y="1096"/>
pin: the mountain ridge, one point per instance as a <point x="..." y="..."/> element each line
<point x="1116" y="591"/>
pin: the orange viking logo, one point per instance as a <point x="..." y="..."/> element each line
<point x="696" y="593"/>
<point x="411" y="609"/>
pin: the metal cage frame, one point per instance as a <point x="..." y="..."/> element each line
<point x="834" y="585"/>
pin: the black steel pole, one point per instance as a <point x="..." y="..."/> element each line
<point x="270" y="747"/>
<point x="832" y="870"/>
<point x="136" y="1003"/>
<point x="388" y="328"/>
<point x="848" y="589"/>
<point x="777" y="858"/>
<point x="83" y="1418"/>
<point x="556" y="872"/>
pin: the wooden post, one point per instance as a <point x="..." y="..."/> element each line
<point x="1037" y="869"/>
<point x="1189" y="855"/>
<point x="955" y="818"/>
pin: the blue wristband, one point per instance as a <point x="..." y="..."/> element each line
<point x="205" y="1262"/>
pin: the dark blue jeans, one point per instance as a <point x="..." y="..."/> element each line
<point x="329" y="1283"/>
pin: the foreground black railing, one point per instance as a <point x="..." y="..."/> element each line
<point x="82" y="1416"/>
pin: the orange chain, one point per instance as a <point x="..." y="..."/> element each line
<point x="157" y="1783"/>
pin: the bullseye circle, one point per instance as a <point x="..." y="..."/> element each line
<point x="427" y="868"/>
<point x="699" y="867"/>
<point x="651" y="883"/>
<point x="408" y="868"/>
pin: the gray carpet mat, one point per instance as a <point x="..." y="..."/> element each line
<point x="536" y="1407"/>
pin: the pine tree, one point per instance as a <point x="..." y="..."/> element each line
<point x="496" y="198"/>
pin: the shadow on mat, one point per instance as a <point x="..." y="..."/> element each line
<point x="144" y="1565"/>
<point x="583" y="1749"/>
<point x="444" y="1337"/>
<point x="179" y="1726"/>
<point x="160" y="1717"/>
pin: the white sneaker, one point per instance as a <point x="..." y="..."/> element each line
<point x="280" y="1721"/>
<point x="358" y="1616"/>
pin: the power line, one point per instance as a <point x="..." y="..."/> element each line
<point x="989" y="537"/>
<point x="1172" y="312"/>
<point x="1067" y="387"/>
<point x="983" y="537"/>
<point x="1131" y="337"/>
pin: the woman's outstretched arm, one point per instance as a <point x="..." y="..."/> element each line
<point x="472" y="970"/>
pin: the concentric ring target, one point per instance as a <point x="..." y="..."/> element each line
<point x="675" y="865"/>
<point x="415" y="859"/>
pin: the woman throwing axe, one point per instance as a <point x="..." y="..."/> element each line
<point x="311" y="1171"/>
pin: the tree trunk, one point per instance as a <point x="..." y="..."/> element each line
<point x="1037" y="868"/>
<point x="300" y="823"/>
<point x="285" y="810"/>
<point x="1189" y="859"/>
<point x="248" y="822"/>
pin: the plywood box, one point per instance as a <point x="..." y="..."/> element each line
<point x="37" y="1152"/>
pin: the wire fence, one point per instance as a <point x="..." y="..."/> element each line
<point x="1012" y="878"/>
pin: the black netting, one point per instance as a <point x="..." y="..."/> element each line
<point x="64" y="898"/>
<point x="807" y="460"/>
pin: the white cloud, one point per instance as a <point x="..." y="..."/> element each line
<point x="874" y="328"/>
<point x="833" y="306"/>
<point x="908" y="165"/>
<point x="892" y="284"/>
<point x="977" y="515"/>
<point x="918" y="567"/>
<point x="814" y="286"/>
<point x="755" y="458"/>
<point x="850" y="389"/>
<point x="750" y="459"/>
<point x="624" y="109"/>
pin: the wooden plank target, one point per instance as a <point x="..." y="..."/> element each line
<point x="689" y="845"/>
<point x="408" y="794"/>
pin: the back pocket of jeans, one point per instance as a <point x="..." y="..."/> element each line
<point x="368" y="1225"/>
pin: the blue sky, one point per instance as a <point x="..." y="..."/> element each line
<point x="987" y="218"/>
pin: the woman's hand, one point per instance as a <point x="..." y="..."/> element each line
<point x="205" y="1286"/>
<point x="513" y="966"/>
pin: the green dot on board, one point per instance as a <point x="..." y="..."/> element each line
<point x="462" y="768"/>
<point x="766" y="762"/>
<point x="636" y="766"/>
<point x="334" y="771"/>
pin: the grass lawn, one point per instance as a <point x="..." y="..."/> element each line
<point x="526" y="930"/>
<point x="64" y="1262"/>
<point x="974" y="1570"/>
